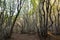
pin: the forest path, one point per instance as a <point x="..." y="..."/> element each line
<point x="17" y="36"/>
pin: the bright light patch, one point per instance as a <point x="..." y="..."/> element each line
<point x="37" y="2"/>
<point x="0" y="8"/>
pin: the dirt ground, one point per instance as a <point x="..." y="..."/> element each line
<point x="17" y="36"/>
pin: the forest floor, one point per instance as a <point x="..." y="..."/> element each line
<point x="18" y="36"/>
